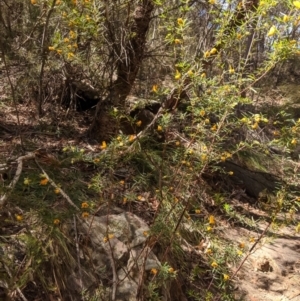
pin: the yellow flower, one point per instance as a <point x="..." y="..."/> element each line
<point x="33" y="2"/>
<point x="26" y="181"/>
<point x="57" y="2"/>
<point x="230" y="173"/>
<point x="190" y="73"/>
<point x="241" y="245"/>
<point x="294" y="141"/>
<point x="177" y="143"/>
<point x="56" y="190"/>
<point x="56" y="221"/>
<point x="146" y="233"/>
<point x="225" y="277"/>
<point x="211" y="220"/>
<point x="19" y="217"/>
<point x="212" y="1"/>
<point x="122" y="182"/>
<point x="206" y="54"/>
<point x="139" y="123"/>
<point x="177" y="41"/>
<point x="70" y="55"/>
<point x="286" y="18"/>
<point x="203" y="157"/>
<point x="159" y="128"/>
<point x="297" y="4"/>
<point x="197" y="211"/>
<point x="208" y="228"/>
<point x="180" y="21"/>
<point x="84" y="205"/>
<point x="75" y="45"/>
<point x="103" y="145"/>
<point x="97" y="160"/>
<point x="59" y="51"/>
<point x="72" y="34"/>
<point x="177" y="75"/>
<point x="272" y="30"/>
<point x="66" y="40"/>
<point x="209" y="251"/>
<point x="85" y="214"/>
<point x="141" y="198"/>
<point x="154" y="271"/>
<point x="214" y="264"/>
<point x="132" y="137"/>
<point x="239" y="36"/>
<point x="44" y="181"/>
<point x="154" y="88"/>
<point x="254" y="126"/>
<point x="207" y="121"/>
<point x="231" y="70"/>
<point x="171" y="270"/>
<point x="213" y="51"/>
<point x="240" y="253"/>
<point x="51" y="48"/>
<point x="214" y="128"/>
<point x="251" y="239"/>
<point x="203" y="75"/>
<point x="202" y="113"/>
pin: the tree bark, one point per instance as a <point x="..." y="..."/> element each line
<point x="104" y="125"/>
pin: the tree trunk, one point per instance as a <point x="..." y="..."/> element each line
<point x="105" y="125"/>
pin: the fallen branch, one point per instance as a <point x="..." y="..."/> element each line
<point x="15" y="180"/>
<point x="56" y="186"/>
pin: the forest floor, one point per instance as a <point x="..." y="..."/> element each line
<point x="271" y="270"/>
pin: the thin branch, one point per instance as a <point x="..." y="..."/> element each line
<point x="56" y="186"/>
<point x="16" y="177"/>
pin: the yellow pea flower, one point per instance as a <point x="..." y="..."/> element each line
<point x="294" y="141"/>
<point x="213" y="51"/>
<point x="154" y="271"/>
<point x="177" y="41"/>
<point x="231" y="70"/>
<point x="103" y="145"/>
<point x="177" y="75"/>
<point x="212" y="1"/>
<point x="51" y="48"/>
<point x="225" y="277"/>
<point x="85" y="214"/>
<point x="272" y="30"/>
<point x="155" y="88"/>
<point x="84" y="205"/>
<point x="159" y="128"/>
<point x="286" y="18"/>
<point x="211" y="220"/>
<point x="180" y="21"/>
<point x="56" y="221"/>
<point x="297" y="4"/>
<point x="19" y="217"/>
<point x="139" y="123"/>
<point x="44" y="182"/>
<point x="214" y="264"/>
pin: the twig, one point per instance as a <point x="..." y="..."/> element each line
<point x="16" y="177"/>
<point x="78" y="254"/>
<point x="248" y="254"/>
<point x="56" y="186"/>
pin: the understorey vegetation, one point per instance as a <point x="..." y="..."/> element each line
<point x="135" y="136"/>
